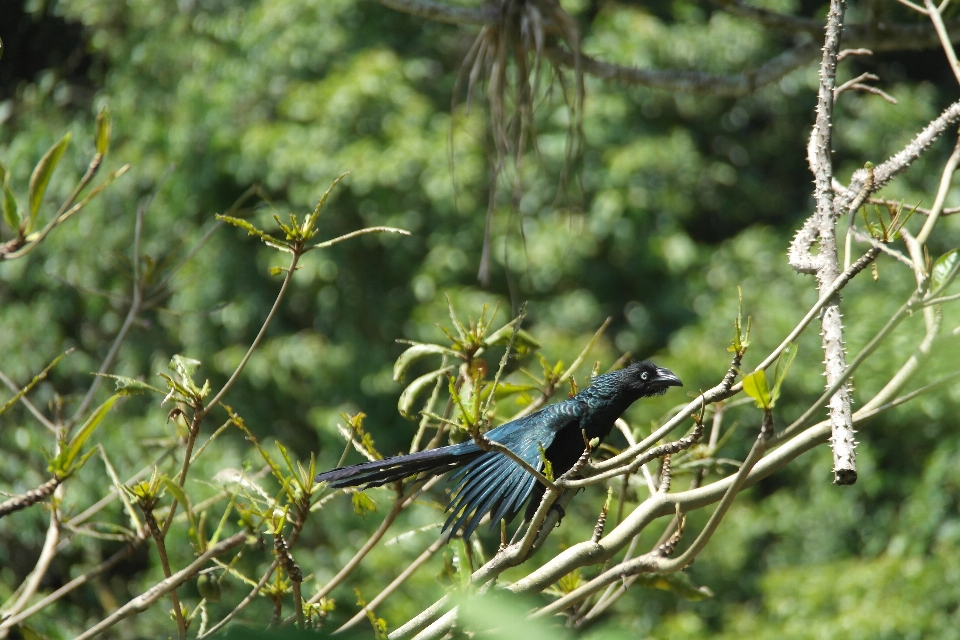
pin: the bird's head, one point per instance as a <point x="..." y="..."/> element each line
<point x="647" y="379"/>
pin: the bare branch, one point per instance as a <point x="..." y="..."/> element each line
<point x="850" y="83"/>
<point x="358" y="232"/>
<point x="734" y="85"/>
<point x="256" y="341"/>
<point x="945" y="179"/>
<point x="920" y="211"/>
<point x="875" y="36"/>
<point x="937" y="21"/>
<point x="655" y="561"/>
<point x="866" y="88"/>
<point x="399" y="580"/>
<point x="243" y="603"/>
<point x="47" y="553"/>
<point x="666" y="449"/>
<point x="827" y="262"/>
<point x="883" y="173"/>
<point x="399" y="505"/>
<point x="30" y="498"/>
<point x="149" y="597"/>
<point x="21" y="395"/>
<point x="860" y="236"/>
<point x="135" y="304"/>
<point x="442" y="12"/>
<point x="911" y="5"/>
<point x="80" y="580"/>
<point x="853" y="52"/>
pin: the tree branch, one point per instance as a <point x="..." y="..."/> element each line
<point x="883" y="173"/>
<point x="442" y="12"/>
<point x="734" y="85"/>
<point x="47" y="553"/>
<point x="827" y="261"/>
<point x="149" y="597"/>
<point x="877" y="36"/>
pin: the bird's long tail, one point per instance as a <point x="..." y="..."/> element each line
<point x="379" y="472"/>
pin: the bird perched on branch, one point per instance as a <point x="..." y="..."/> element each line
<point x="490" y="481"/>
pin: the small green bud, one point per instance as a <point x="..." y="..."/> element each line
<point x="209" y="587"/>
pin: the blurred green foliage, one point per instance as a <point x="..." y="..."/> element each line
<point x="678" y="200"/>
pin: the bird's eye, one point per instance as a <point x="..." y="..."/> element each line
<point x="643" y="376"/>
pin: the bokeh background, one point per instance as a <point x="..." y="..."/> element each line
<point x="677" y="200"/>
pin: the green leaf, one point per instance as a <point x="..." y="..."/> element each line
<point x="900" y="220"/>
<point x="177" y="392"/>
<point x="181" y="496"/>
<point x="26" y="632"/>
<point x="409" y="395"/>
<point x="86" y="200"/>
<point x="102" y="132"/>
<point x="945" y="269"/>
<point x="130" y="386"/>
<point x="362" y="504"/>
<point x="741" y="339"/>
<point x="253" y="231"/>
<point x="311" y="219"/>
<point x="209" y="587"/>
<point x="185" y="368"/>
<point x="545" y="464"/>
<point x="506" y="389"/>
<point x="523" y="342"/>
<point x="414" y="353"/>
<point x="69" y="453"/>
<point x="677" y="583"/>
<point x="10" y="211"/>
<point x="783" y="365"/>
<point x="755" y="386"/>
<point x="286" y="458"/>
<point x="41" y="176"/>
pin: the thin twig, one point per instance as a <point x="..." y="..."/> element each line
<point x="80" y="580"/>
<point x="243" y="603"/>
<point x="654" y="561"/>
<point x="945" y="179"/>
<point x="399" y="580"/>
<point x="47" y="553"/>
<point x="941" y="28"/>
<point x="135" y="303"/>
<point x="398" y="505"/>
<point x="30" y="498"/>
<point x="256" y="342"/>
<point x="149" y="597"/>
<point x="21" y="394"/>
<point x="913" y="6"/>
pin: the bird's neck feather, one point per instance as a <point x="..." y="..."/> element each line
<point x="605" y="408"/>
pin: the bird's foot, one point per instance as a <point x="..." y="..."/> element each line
<point x="560" y="513"/>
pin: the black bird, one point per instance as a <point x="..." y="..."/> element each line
<point x="490" y="482"/>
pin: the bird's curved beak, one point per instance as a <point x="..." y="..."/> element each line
<point x="668" y="378"/>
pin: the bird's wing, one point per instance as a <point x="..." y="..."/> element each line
<point x="493" y="482"/>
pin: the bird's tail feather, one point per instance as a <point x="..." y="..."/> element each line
<point x="380" y="472"/>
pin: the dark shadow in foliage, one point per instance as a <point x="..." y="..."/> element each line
<point x="290" y="633"/>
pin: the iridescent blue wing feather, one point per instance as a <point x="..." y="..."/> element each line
<point x="493" y="481"/>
